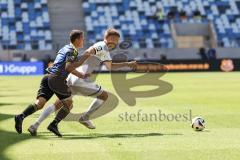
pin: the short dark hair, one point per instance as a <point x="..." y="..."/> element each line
<point x="75" y="34"/>
<point x="111" y="31"/>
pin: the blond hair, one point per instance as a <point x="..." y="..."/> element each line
<point x="111" y="31"/>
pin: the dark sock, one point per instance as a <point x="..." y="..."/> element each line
<point x="29" y="110"/>
<point x="63" y="112"/>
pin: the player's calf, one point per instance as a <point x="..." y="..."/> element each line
<point x="63" y="112"/>
<point x="95" y="105"/>
<point x="103" y="96"/>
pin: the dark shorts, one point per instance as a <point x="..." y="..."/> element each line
<point x="52" y="84"/>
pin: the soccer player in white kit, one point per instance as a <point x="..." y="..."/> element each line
<point x="97" y="54"/>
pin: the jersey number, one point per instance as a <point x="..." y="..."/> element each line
<point x="99" y="48"/>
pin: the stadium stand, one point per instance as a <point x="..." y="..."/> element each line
<point x="136" y="21"/>
<point x="25" y="25"/>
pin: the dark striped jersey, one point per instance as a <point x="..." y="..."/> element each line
<point x="66" y="54"/>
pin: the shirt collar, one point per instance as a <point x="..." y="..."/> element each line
<point x="73" y="46"/>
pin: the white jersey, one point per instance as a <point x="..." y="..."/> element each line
<point x="102" y="51"/>
<point x="92" y="63"/>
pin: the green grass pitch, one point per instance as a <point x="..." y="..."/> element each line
<point x="214" y="96"/>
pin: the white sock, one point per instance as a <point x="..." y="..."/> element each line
<point x="95" y="105"/>
<point x="47" y="111"/>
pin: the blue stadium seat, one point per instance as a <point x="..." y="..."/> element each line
<point x="134" y="19"/>
<point x="25" y="25"/>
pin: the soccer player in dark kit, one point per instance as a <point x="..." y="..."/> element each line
<point x="55" y="83"/>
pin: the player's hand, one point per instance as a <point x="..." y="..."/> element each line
<point x="132" y="64"/>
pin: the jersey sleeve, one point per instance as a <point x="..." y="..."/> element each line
<point x="107" y="57"/>
<point x="102" y="51"/>
<point x="71" y="55"/>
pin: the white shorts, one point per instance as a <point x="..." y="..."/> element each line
<point x="83" y="87"/>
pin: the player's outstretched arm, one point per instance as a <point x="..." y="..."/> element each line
<point x="70" y="67"/>
<point x="88" y="53"/>
<point x="113" y="66"/>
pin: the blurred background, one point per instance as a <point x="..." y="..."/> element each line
<point x="186" y="35"/>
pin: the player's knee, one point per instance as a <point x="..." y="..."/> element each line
<point x="70" y="102"/>
<point x="38" y="106"/>
<point x="103" y="96"/>
<point x="58" y="104"/>
<point x="67" y="103"/>
<point x="70" y="108"/>
<point x="40" y="102"/>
